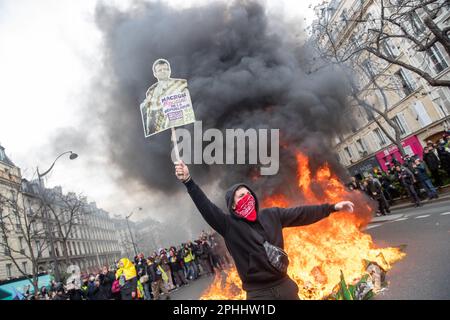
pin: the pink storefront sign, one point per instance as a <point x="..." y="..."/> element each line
<point x="411" y="146"/>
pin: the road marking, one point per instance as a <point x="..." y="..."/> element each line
<point x="421" y="217"/>
<point x="445" y="213"/>
<point x="401" y="219"/>
<point x="373" y="226"/>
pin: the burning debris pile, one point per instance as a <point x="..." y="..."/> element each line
<point x="328" y="254"/>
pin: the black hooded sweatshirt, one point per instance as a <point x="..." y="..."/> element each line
<point x="244" y="239"/>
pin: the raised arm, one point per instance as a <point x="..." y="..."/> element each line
<point x="213" y="215"/>
<point x="304" y="215"/>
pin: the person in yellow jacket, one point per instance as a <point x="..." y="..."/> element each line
<point x="127" y="276"/>
<point x="189" y="263"/>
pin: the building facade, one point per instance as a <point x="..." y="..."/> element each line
<point x="10" y="182"/>
<point x="87" y="238"/>
<point x="421" y="111"/>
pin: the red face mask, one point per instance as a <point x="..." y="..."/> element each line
<point x="245" y="207"/>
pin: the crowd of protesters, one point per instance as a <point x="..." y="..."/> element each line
<point x="413" y="177"/>
<point x="151" y="278"/>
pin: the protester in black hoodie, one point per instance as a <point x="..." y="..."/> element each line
<point x="247" y="228"/>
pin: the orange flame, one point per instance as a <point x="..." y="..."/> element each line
<point x="318" y="252"/>
<point x="304" y="176"/>
<point x="276" y="201"/>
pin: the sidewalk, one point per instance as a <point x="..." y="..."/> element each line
<point x="406" y="203"/>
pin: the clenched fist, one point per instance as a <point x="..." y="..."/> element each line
<point x="182" y="171"/>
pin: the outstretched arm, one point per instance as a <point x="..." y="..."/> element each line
<point x="213" y="215"/>
<point x="304" y="215"/>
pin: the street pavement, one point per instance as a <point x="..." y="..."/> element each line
<point x="194" y="290"/>
<point x="423" y="274"/>
<point x="409" y="205"/>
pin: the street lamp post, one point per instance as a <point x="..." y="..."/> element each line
<point x="129" y="230"/>
<point x="43" y="198"/>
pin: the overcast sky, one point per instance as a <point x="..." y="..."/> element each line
<point x="49" y="52"/>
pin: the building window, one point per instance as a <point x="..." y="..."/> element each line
<point x="399" y="120"/>
<point x="38" y="248"/>
<point x="381" y="138"/>
<point x="33" y="228"/>
<point x="21" y="244"/>
<point x="361" y="146"/>
<point x="9" y="270"/>
<point x="437" y="59"/>
<point x="406" y="82"/>
<point x="383" y="104"/>
<point x="441" y="99"/>
<point x="54" y="227"/>
<point x="349" y="153"/>
<point x="368" y="68"/>
<point x="24" y="267"/>
<point x="18" y="224"/>
<point x="5" y="246"/>
<point x="443" y="111"/>
<point x="344" y="16"/>
<point x="416" y="23"/>
<point x="389" y="49"/>
<point x="421" y="114"/>
<point x="371" y="24"/>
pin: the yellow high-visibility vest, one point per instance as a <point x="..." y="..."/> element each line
<point x="189" y="257"/>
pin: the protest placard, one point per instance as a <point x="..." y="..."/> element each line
<point x="168" y="102"/>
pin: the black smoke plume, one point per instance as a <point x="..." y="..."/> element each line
<point x="243" y="72"/>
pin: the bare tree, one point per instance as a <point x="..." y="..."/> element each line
<point x="361" y="95"/>
<point x="361" y="44"/>
<point x="413" y="22"/>
<point x="376" y="81"/>
<point x="410" y="22"/>
<point x="66" y="212"/>
<point x="23" y="236"/>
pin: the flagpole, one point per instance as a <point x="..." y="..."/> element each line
<point x="175" y="145"/>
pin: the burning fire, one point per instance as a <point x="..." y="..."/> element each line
<point x="318" y="252"/>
